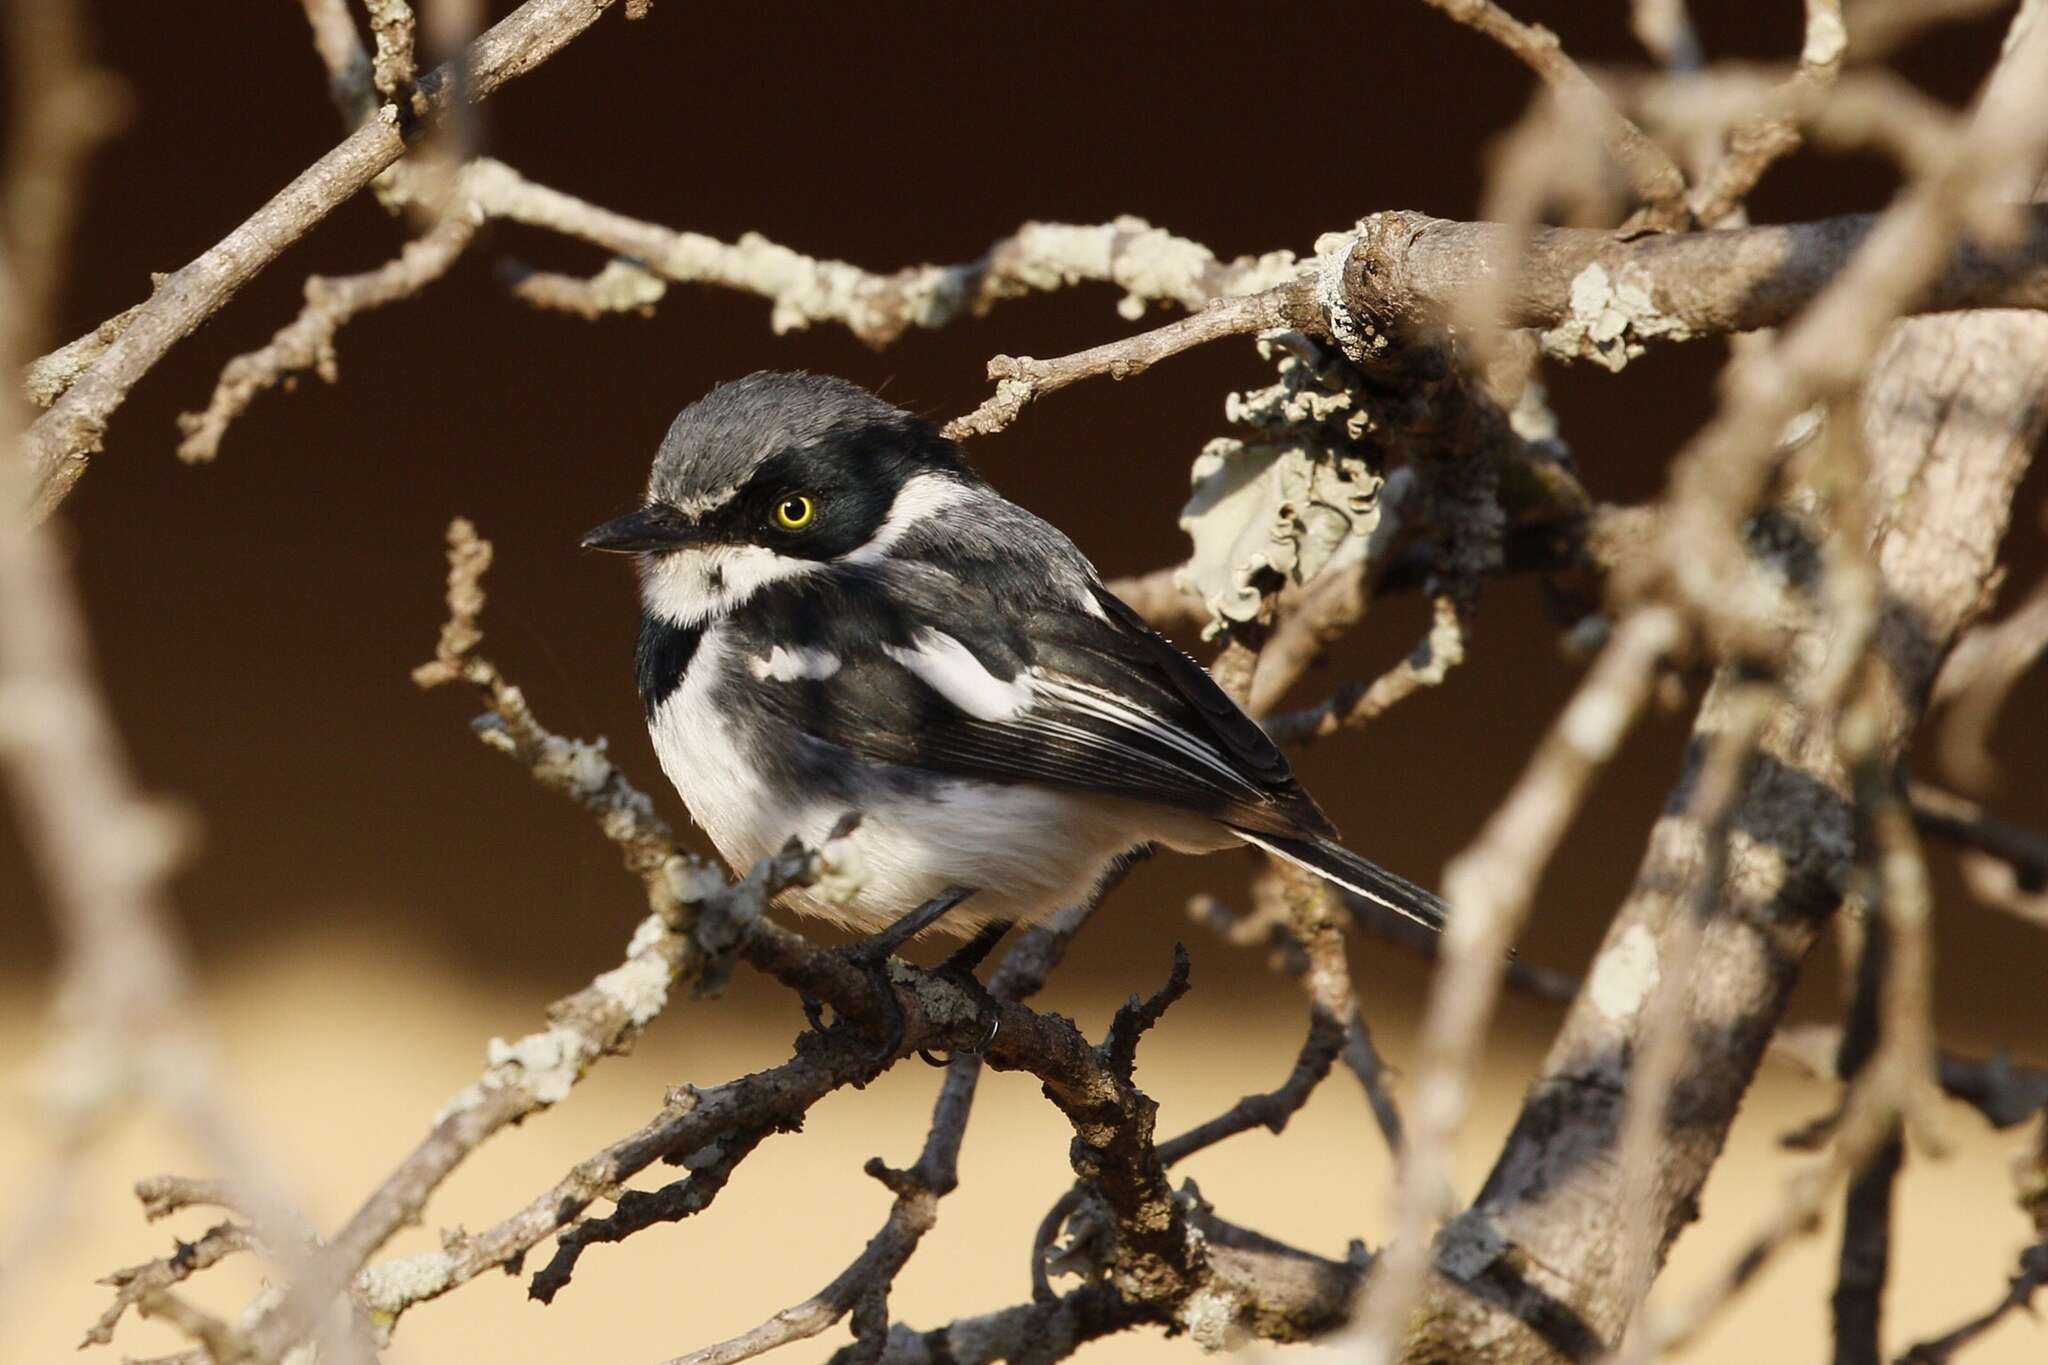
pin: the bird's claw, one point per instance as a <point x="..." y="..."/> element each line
<point x="988" y="1014"/>
<point x="875" y="966"/>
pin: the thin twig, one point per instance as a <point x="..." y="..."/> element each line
<point x="1020" y="379"/>
<point x="61" y="441"/>
<point x="307" y="343"/>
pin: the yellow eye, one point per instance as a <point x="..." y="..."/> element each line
<point x="795" y="512"/>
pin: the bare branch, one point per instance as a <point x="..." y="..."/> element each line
<point x="138" y="1283"/>
<point x="1605" y="298"/>
<point x="1148" y="263"/>
<point x="62" y="440"/>
<point x="308" y="342"/>
<point x="1020" y="379"/>
<point x="2031" y="1277"/>
<point x="46" y="378"/>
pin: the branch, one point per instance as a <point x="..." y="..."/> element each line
<point x="1272" y="1290"/>
<point x="62" y="440"/>
<point x="2029" y="1280"/>
<point x="1489" y="888"/>
<point x="138" y="1283"/>
<point x="1605" y="298"/>
<point x="1772" y="134"/>
<point x="1021" y="378"/>
<point x="918" y="1188"/>
<point x="2005" y="1093"/>
<point x="308" y="342"/>
<point x="1521" y="1277"/>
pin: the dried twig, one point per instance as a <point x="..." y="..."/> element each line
<point x="138" y="1283"/>
<point x="62" y="440"/>
<point x="308" y="342"/>
<point x="1020" y="379"/>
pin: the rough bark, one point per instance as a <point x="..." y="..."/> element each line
<point x="1540" y="1268"/>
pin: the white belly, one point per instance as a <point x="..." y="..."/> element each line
<point x="1025" y="850"/>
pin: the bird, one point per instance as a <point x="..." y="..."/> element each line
<point x="839" y="617"/>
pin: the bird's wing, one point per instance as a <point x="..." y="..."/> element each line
<point x="1023" y="683"/>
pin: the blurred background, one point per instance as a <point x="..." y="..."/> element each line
<point x="376" y="894"/>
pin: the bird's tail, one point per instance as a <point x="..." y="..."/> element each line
<point x="1339" y="865"/>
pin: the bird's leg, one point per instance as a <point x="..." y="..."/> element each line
<point x="872" y="954"/>
<point x="958" y="968"/>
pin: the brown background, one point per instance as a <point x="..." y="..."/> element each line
<point x="376" y="893"/>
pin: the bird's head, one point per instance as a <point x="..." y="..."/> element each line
<point x="775" y="476"/>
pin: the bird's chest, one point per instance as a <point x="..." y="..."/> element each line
<point x="721" y="759"/>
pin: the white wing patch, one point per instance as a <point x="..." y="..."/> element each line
<point x="950" y="669"/>
<point x="921" y="498"/>
<point x="793" y="665"/>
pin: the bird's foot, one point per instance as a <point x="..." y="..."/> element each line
<point x="871" y="955"/>
<point x="959" y="970"/>
<point x="889" y="1025"/>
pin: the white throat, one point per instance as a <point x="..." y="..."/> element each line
<point x="691" y="587"/>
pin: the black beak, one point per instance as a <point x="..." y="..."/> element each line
<point x="650" y="528"/>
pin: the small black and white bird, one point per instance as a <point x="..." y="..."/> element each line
<point x="839" y="615"/>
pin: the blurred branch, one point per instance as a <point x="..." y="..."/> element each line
<point x="1489" y="888"/>
<point x="1656" y="179"/>
<point x="1978" y="679"/>
<point x="2004" y="1092"/>
<point x="1515" y="1265"/>
<point x="1769" y="136"/>
<point x="124" y="1026"/>
<point x="2029" y="1280"/>
<point x="2004" y="864"/>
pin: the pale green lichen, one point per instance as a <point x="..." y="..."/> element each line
<point x="1210" y="1317"/>
<point x="1282" y="501"/>
<point x="1610" y="318"/>
<point x="637" y="987"/>
<point x="390" y="1287"/>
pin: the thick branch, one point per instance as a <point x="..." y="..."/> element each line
<point x="1603" y="297"/>
<point x="1553" y="1190"/>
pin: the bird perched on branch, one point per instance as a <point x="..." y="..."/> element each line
<point x="839" y="615"/>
